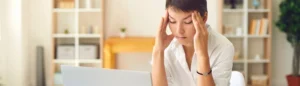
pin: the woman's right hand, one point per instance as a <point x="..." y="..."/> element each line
<point x="162" y="40"/>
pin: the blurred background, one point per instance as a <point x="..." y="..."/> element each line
<point x="36" y="36"/>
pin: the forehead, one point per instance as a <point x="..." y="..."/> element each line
<point x="178" y="14"/>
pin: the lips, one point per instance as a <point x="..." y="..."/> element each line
<point x="178" y="37"/>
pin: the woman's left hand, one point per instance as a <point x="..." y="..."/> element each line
<point x="201" y="35"/>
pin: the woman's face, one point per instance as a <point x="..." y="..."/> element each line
<point x="181" y="26"/>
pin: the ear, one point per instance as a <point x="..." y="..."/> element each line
<point x="205" y="17"/>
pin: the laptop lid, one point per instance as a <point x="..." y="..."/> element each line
<point x="86" y="76"/>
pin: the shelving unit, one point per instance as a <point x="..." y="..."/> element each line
<point x="249" y="46"/>
<point x="76" y="26"/>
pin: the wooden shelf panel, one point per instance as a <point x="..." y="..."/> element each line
<point x="259" y="36"/>
<point x="90" y="10"/>
<point x="63" y="10"/>
<point x="238" y="61"/>
<point x="233" y="10"/>
<point x="89" y="35"/>
<point x="258" y="61"/>
<point x="64" y="35"/>
<point x="258" y="10"/>
<point x="234" y="36"/>
<point x="65" y="61"/>
<point x="90" y="61"/>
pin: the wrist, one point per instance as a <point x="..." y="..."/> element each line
<point x="201" y="54"/>
<point x="158" y="53"/>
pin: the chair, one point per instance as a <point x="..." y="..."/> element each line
<point x="237" y="79"/>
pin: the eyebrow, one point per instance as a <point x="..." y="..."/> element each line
<point x="183" y="18"/>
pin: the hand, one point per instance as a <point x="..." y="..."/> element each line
<point x="162" y="40"/>
<point x="201" y="35"/>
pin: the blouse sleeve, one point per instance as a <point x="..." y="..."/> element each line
<point x="223" y="67"/>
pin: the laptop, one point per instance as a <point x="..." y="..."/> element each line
<point x="87" y="76"/>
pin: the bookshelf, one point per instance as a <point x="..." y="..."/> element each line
<point x="236" y="24"/>
<point x="78" y="27"/>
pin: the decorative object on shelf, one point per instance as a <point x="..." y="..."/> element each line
<point x="66" y="4"/>
<point x="236" y="55"/>
<point x="239" y="31"/>
<point x="289" y="23"/>
<point x="88" y="52"/>
<point x="228" y="30"/>
<point x="123" y="32"/>
<point x="83" y="30"/>
<point x="259" y="80"/>
<point x="88" y="4"/>
<point x="256" y="3"/>
<point x="90" y="30"/>
<point x="257" y="57"/>
<point x="66" y="31"/>
<point x="234" y="3"/>
<point x="65" y="52"/>
<point x="96" y="29"/>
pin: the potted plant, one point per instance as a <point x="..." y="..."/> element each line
<point x="289" y="22"/>
<point x="123" y="32"/>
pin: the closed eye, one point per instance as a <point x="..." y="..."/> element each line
<point x="188" y="22"/>
<point x="172" y="22"/>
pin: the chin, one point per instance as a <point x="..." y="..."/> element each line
<point x="185" y="42"/>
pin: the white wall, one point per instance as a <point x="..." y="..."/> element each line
<point x="282" y="52"/>
<point x="39" y="34"/>
<point x="14" y="42"/>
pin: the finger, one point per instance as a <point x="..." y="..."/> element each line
<point x="200" y="22"/>
<point x="195" y="22"/>
<point x="166" y="20"/>
<point x="161" y="26"/>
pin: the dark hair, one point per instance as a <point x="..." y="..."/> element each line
<point x="188" y="5"/>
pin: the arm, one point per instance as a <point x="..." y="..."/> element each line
<point x="158" y="69"/>
<point x="162" y="40"/>
<point x="200" y="46"/>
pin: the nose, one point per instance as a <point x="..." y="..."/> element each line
<point x="180" y="29"/>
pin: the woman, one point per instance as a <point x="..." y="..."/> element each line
<point x="194" y="54"/>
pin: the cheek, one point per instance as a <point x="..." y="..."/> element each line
<point x="172" y="28"/>
<point x="190" y="30"/>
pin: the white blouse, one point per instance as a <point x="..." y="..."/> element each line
<point x="220" y="51"/>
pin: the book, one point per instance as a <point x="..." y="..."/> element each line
<point x="257" y="27"/>
<point x="252" y="27"/>
<point x="264" y="26"/>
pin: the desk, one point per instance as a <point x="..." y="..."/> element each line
<point x="116" y="45"/>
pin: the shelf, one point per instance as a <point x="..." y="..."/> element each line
<point x="90" y="10"/>
<point x="62" y="61"/>
<point x="233" y="10"/>
<point x="258" y="36"/>
<point x="234" y="36"/>
<point x="90" y="61"/>
<point x="238" y="61"/>
<point x="58" y="10"/>
<point x="258" y="61"/>
<point x="258" y="10"/>
<point x="89" y="35"/>
<point x="64" y="35"/>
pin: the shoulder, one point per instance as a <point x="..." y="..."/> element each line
<point x="217" y="41"/>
